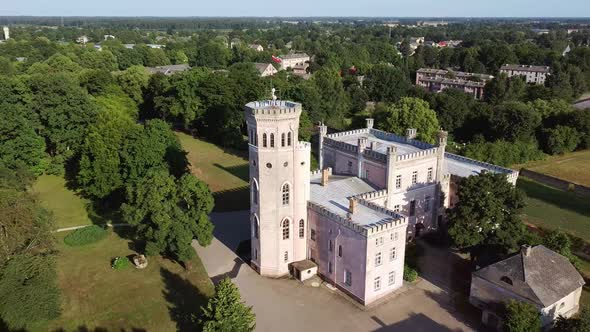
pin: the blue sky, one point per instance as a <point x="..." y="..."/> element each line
<point x="397" y="8"/>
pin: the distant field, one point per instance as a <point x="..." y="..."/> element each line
<point x="68" y="208"/>
<point x="574" y="167"/>
<point x="96" y="296"/>
<point x="226" y="172"/>
<point x="551" y="208"/>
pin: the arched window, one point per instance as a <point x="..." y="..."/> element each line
<point x="264" y="140"/>
<point x="339" y="251"/>
<point x="289" y="138"/>
<point x="286" y="229"/>
<point x="272" y="140"/>
<point x="254" y="187"/>
<point x="506" y="280"/>
<point x="283" y="140"/>
<point x="286" y="194"/>
<point x="255" y="226"/>
<point x="301" y="228"/>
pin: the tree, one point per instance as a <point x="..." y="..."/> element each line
<point x="133" y="81"/>
<point x="169" y="213"/>
<point x="408" y="113"/>
<point x="560" y="242"/>
<point x="386" y="83"/>
<point x="560" y="140"/>
<point x="501" y="89"/>
<point x="226" y="311"/>
<point x="452" y="107"/>
<point x="514" y="121"/>
<point x="579" y="323"/>
<point x="487" y="214"/>
<point x="521" y="317"/>
<point x="334" y="103"/>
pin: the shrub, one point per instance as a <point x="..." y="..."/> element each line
<point x="560" y="140"/>
<point x="120" y="263"/>
<point x="86" y="235"/>
<point x="410" y="274"/>
<point x="504" y="153"/>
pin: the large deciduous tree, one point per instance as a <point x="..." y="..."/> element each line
<point x="169" y="213"/>
<point x="386" y="83"/>
<point x="487" y="214"/>
<point x="408" y="113"/>
<point x="521" y="317"/>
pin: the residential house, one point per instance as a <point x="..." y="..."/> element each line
<point x="265" y="69"/>
<point x="532" y="74"/>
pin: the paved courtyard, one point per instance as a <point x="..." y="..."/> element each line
<point x="287" y="305"/>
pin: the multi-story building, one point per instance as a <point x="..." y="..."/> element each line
<point x="532" y="74"/>
<point x="438" y="79"/>
<point x="350" y="220"/>
<point x="294" y="60"/>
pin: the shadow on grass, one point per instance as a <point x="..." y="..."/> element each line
<point x="184" y="300"/>
<point x="232" y="200"/>
<point x="102" y="329"/>
<point x="562" y="199"/>
<point x="239" y="171"/>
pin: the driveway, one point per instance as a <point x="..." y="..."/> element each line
<point x="287" y="305"/>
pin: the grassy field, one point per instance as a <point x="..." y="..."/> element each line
<point x="68" y="208"/>
<point x="551" y="208"/>
<point x="226" y="172"/>
<point x="572" y="167"/>
<point x="158" y="298"/>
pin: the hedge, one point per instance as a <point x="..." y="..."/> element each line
<point x="410" y="274"/>
<point x="86" y="235"/>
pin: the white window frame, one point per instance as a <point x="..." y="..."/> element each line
<point x="377" y="284"/>
<point x="391" y="280"/>
<point x="378" y="259"/>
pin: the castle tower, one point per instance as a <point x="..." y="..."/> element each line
<point x="6" y="33"/>
<point x="279" y="185"/>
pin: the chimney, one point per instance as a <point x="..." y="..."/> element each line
<point x="325" y="176"/>
<point x="362" y="144"/>
<point x="370" y="122"/>
<point x="352" y="205"/>
<point x="525" y="250"/>
<point x="374" y="145"/>
<point x="411" y="133"/>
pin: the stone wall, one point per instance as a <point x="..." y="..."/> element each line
<point x="556" y="183"/>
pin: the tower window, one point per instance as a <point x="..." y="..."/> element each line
<point x="286" y="194"/>
<point x="412" y="208"/>
<point x="264" y="140"/>
<point x="254" y="193"/>
<point x="427" y="204"/>
<point x="377" y="283"/>
<point x="283" y="140"/>
<point x="398" y="181"/>
<point x="256" y="227"/>
<point x="414" y="177"/>
<point x="429" y="174"/>
<point x="289" y="138"/>
<point x="285" y="229"/>
<point x="339" y="251"/>
<point x="272" y="140"/>
<point x="301" y="228"/>
<point x="286" y="256"/>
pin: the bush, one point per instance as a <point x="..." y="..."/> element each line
<point x="410" y="274"/>
<point x="120" y="263"/>
<point x="560" y="140"/>
<point x="504" y="153"/>
<point x="86" y="235"/>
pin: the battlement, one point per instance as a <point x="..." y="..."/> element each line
<point x="318" y="172"/>
<point x="364" y="230"/>
<point x="372" y="195"/>
<point x="399" y="139"/>
<point x="340" y="145"/>
<point x="512" y="174"/>
<point x="272" y="107"/>
<point x="306" y="146"/>
<point x="418" y="154"/>
<point x="374" y="155"/>
<point x="347" y="133"/>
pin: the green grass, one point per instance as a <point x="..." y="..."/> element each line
<point x="68" y="208"/>
<point x="85" y="236"/>
<point x="225" y="171"/>
<point x="94" y="295"/>
<point x="551" y="208"/>
<point x="571" y="167"/>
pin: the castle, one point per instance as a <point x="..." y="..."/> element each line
<point x="350" y="220"/>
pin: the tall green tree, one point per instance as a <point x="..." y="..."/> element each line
<point x="386" y="83"/>
<point x="226" y="311"/>
<point x="487" y="214"/>
<point x="407" y="113"/>
<point x="133" y="81"/>
<point x="334" y="104"/>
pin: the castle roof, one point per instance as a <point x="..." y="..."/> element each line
<point x="334" y="196"/>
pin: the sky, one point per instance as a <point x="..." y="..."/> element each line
<point x="268" y="8"/>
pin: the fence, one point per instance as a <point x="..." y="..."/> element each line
<point x="556" y="183"/>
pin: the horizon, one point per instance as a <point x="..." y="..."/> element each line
<point x="304" y="8"/>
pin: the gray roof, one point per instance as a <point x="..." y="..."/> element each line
<point x="261" y="67"/>
<point x="542" y="69"/>
<point x="293" y="55"/>
<point x="334" y="197"/>
<point x="464" y="167"/>
<point x="453" y="81"/>
<point x="542" y="277"/>
<point x="383" y="140"/>
<point x="458" y="74"/>
<point x="170" y="69"/>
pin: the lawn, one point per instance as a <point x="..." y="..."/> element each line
<point x="68" y="208"/>
<point x="572" y="167"/>
<point x="225" y="171"/>
<point x="158" y="298"/>
<point x="551" y="208"/>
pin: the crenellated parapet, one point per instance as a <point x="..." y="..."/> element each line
<point x="303" y="146"/>
<point x="375" y="156"/>
<point x="273" y="107"/>
<point x="417" y="154"/>
<point x="318" y="172"/>
<point x="400" y="139"/>
<point x="365" y="230"/>
<point x="372" y="195"/>
<point x="349" y="133"/>
<point x="512" y="174"/>
<point x="340" y="145"/>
